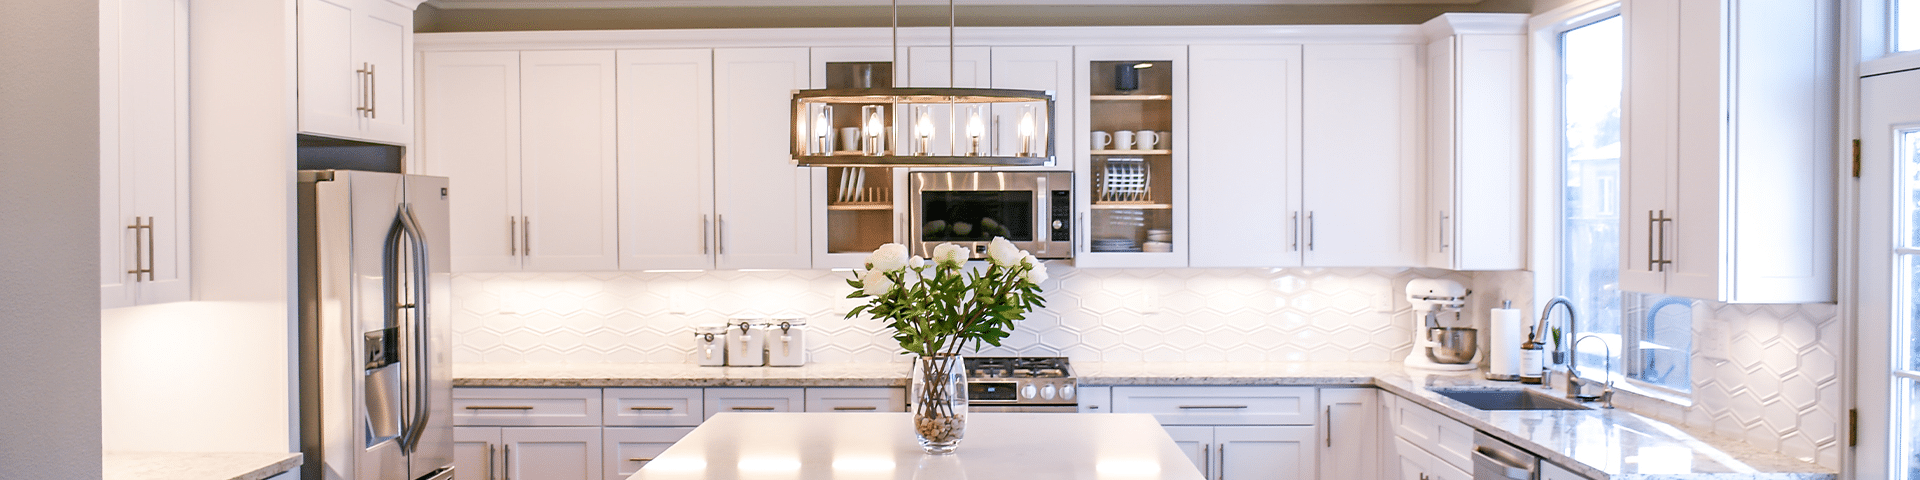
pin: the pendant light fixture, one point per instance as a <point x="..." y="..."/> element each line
<point x="898" y="127"/>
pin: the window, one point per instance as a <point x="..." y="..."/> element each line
<point x="1648" y="337"/>
<point x="1906" y="25"/>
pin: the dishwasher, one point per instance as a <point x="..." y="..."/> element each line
<point x="1494" y="459"/>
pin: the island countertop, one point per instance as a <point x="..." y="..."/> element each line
<point x="881" y="446"/>
<point x="196" y="466"/>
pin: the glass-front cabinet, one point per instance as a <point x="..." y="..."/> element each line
<point x="856" y="208"/>
<point x="1131" y="195"/>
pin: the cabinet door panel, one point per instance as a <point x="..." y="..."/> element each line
<point x="762" y="219"/>
<point x="1197" y="443"/>
<point x="383" y="39"/>
<point x="1350" y="442"/>
<point x="329" y="86"/>
<point x="1647" y="129"/>
<point x="475" y="450"/>
<point x="1036" y="68"/>
<point x="567" y="164"/>
<point x="629" y="449"/>
<point x="1245" y="146"/>
<point x="552" y="453"/>
<point x="1410" y="462"/>
<point x="1260" y="453"/>
<point x="1361" y="174"/>
<point x="471" y="134"/>
<point x="666" y="159"/>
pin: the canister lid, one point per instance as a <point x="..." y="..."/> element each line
<point x="710" y="328"/>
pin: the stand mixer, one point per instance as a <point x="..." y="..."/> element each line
<point x="1437" y="346"/>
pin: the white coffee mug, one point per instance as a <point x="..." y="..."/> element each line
<point x="1146" y="139"/>
<point x="849" y="139"/>
<point x="1101" y="140"/>
<point x="1123" y="140"/>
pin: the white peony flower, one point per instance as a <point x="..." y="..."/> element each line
<point x="916" y="262"/>
<point x="950" y="255"/>
<point x="1002" y="252"/>
<point x="876" y="283"/>
<point x="888" y="258"/>
<point x="1037" y="274"/>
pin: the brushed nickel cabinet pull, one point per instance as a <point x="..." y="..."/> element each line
<point x="754" y="409"/>
<point x="1206" y="462"/>
<point x="1211" y="406"/>
<point x="720" y="234"/>
<point x="498" y="407"/>
<point x="513" y="235"/>
<point x="138" y="259"/>
<point x="1223" y="462"/>
<point x="373" y="92"/>
<point x="704" y="226"/>
<point x="506" y="462"/>
<point x="150" y="257"/>
<point x="1329" y="426"/>
<point x="1443" y="231"/>
<point x="526" y="235"/>
<point x="1296" y="231"/>
<point x="855" y="409"/>
<point x="1310" y="230"/>
<point x="652" y="409"/>
<point x="638" y="459"/>
<point x="491" y="460"/>
<point x="1652" y="254"/>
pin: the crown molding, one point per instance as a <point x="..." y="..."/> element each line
<point x="572" y="4"/>
<point x="1450" y="24"/>
<point x="922" y="36"/>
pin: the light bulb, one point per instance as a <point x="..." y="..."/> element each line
<point x="974" y="126"/>
<point x="925" y="126"/>
<point x="874" y="125"/>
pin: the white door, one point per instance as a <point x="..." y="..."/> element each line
<point x="666" y="159"/>
<point x="551" y="453"/>
<point x="761" y="214"/>
<point x="1197" y="443"/>
<point x="1265" y="453"/>
<point x="1889" y="249"/>
<point x="1036" y="68"/>
<point x="568" y="181"/>
<point x="1245" y="151"/>
<point x="1362" y="147"/>
<point x="383" y="40"/>
<point x="330" y="80"/>
<point x="475" y="452"/>
<point x="1349" y="436"/>
<point x="629" y="448"/>
<point x="471" y="135"/>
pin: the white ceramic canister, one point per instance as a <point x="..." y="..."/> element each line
<point x="787" y="341"/>
<point x="710" y="345"/>
<point x="746" y="340"/>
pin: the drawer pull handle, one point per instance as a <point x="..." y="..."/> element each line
<point x="754" y="409"/>
<point x="855" y="409"/>
<point x="653" y="408"/>
<point x="640" y="459"/>
<point x="1196" y="407"/>
<point x="498" y="407"/>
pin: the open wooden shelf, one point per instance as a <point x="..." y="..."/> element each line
<point x="1135" y="98"/>
<point x="860" y="206"/>
<point x="1131" y="206"/>
<point x="1130" y="152"/>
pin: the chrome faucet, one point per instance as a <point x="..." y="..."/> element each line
<point x="1573" y="374"/>
<point x="1539" y="333"/>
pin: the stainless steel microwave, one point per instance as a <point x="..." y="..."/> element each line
<point x="1034" y="210"/>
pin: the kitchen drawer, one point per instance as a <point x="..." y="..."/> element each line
<point x="541" y="407"/>
<point x="1223" y="405"/>
<point x="654" y="407"/>
<point x="629" y="448"/>
<point x="1095" y="399"/>
<point x="1444" y="437"/>
<point x="747" y="399"/>
<point x="883" y="399"/>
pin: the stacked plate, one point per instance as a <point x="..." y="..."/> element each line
<point x="1115" y="245"/>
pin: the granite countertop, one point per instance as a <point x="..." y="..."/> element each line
<point x="1613" y="444"/>
<point x="196" y="466"/>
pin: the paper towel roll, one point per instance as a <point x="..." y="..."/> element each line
<point x="1508" y="327"/>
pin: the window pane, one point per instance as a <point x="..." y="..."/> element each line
<point x="1592" y="70"/>
<point x="1910" y="171"/>
<point x="1907" y="425"/>
<point x="1666" y="338"/>
<point x="1906" y="25"/>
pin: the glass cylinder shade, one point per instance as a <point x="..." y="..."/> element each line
<point x="923" y="127"/>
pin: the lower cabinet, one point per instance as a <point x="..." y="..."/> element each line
<point x="1350" y="433"/>
<point x="1248" y="452"/>
<point x="1425" y="444"/>
<point x="753" y="399"/>
<point x="1416" y="464"/>
<point x="506" y="453"/>
<point x="856" y="399"/>
<point x="1234" y="432"/>
<point x="629" y="448"/>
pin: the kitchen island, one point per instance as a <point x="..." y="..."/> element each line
<point x="882" y="446"/>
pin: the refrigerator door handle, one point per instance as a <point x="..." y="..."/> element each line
<point x="417" y="242"/>
<point x="390" y="259"/>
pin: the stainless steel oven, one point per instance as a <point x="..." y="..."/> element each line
<point x="1034" y="210"/>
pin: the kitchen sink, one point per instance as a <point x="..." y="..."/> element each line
<point x="1510" y="400"/>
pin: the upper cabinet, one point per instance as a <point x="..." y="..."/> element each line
<point x="144" y="230"/>
<point x="1132" y="187"/>
<point x="1361" y="181"/>
<point x="666" y="159"/>
<point x="760" y="214"/>
<point x="855" y="209"/>
<point x="1246" y="149"/>
<point x="1476" y="106"/>
<point x="356" y="69"/>
<point x="1036" y="68"/>
<point x="1729" y="123"/>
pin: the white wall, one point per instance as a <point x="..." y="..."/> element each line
<point x="217" y="374"/>
<point x="49" y="203"/>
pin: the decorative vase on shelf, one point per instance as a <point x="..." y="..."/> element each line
<point x="939" y="402"/>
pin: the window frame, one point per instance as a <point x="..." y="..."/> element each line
<point x="1548" y="179"/>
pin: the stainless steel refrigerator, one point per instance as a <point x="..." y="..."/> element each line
<point x="375" y="362"/>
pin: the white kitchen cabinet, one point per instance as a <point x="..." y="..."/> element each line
<point x="1445" y="439"/>
<point x="1476" y="107"/>
<point x="665" y="142"/>
<point x="1037" y="68"/>
<point x="761" y="214"/>
<point x="845" y="230"/>
<point x="144" y="201"/>
<point x="542" y="407"/>
<point x="547" y="433"/>
<point x="551" y="453"/>
<point x="755" y="399"/>
<point x="356" y="69"/>
<point x="629" y="448"/>
<point x="1149" y="191"/>
<point x="476" y="452"/>
<point x="653" y="407"/>
<point x="1414" y="463"/>
<point x="1248" y="452"/>
<point x="527" y="140"/>
<point x="1728" y="127"/>
<point x="1220" y="405"/>
<point x="1245" y="147"/>
<point x="1095" y="399"/>
<point x="1361" y="171"/>
<point x="856" y="399"/>
<point x="1349" y="433"/>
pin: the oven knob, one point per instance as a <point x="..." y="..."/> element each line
<point x="1066" y="392"/>
<point x="1057" y="224"/>
<point x="1046" y="392"/>
<point x="1027" y="391"/>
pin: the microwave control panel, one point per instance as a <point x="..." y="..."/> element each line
<point x="1060" y="227"/>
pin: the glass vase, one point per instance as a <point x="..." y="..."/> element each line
<point x="939" y="398"/>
